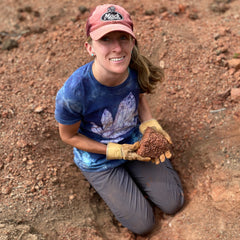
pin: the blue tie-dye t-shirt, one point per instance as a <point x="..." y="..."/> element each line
<point x="107" y="114"/>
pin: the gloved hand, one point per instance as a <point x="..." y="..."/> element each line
<point x="154" y="124"/>
<point x="124" y="151"/>
<point x="162" y="157"/>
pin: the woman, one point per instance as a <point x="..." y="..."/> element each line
<point x="102" y="112"/>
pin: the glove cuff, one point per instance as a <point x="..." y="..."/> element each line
<point x="150" y="123"/>
<point x="114" y="151"/>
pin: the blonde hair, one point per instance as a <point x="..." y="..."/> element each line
<point x="148" y="74"/>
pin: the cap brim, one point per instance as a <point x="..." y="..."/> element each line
<point x="100" y="32"/>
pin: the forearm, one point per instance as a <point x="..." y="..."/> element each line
<point x="144" y="111"/>
<point x="69" y="134"/>
<point x="86" y="144"/>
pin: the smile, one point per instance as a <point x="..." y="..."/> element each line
<point x="117" y="59"/>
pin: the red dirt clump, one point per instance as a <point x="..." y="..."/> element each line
<point x="153" y="144"/>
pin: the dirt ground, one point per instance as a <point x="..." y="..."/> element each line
<point x="43" y="195"/>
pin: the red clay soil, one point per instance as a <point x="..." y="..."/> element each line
<point x="153" y="144"/>
<point x="43" y="195"/>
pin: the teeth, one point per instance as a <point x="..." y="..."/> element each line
<point x="116" y="59"/>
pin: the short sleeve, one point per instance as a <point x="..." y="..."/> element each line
<point x="68" y="107"/>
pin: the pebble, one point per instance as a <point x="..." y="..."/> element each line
<point x="149" y="12"/>
<point x="218" y="7"/>
<point x="193" y="16"/>
<point x="162" y="64"/>
<point x="234" y="63"/>
<point x="23" y="228"/>
<point x="83" y="9"/>
<point x="236" y="116"/>
<point x="162" y="9"/>
<point x="39" y="109"/>
<point x="31" y="237"/>
<point x="21" y="143"/>
<point x="9" y="44"/>
<point x="6" y="190"/>
<point x="71" y="197"/>
<point x="2" y="225"/>
<point x="235" y="94"/>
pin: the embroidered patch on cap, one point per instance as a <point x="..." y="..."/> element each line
<point x="111" y="15"/>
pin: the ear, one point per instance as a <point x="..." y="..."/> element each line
<point x="89" y="48"/>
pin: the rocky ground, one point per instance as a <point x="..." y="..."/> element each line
<point x="43" y="195"/>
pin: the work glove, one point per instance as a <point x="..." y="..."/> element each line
<point x="124" y="151"/>
<point x="154" y="124"/>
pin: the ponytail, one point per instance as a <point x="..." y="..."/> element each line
<point x="148" y="74"/>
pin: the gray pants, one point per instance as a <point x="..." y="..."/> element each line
<point x="129" y="189"/>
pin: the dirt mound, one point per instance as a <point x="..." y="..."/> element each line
<point x="43" y="194"/>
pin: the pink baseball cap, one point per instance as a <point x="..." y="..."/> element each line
<point x="108" y="18"/>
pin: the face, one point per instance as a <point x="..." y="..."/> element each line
<point x="112" y="53"/>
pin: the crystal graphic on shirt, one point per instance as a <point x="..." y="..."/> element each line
<point x="124" y="121"/>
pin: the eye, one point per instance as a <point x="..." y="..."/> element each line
<point x="124" y="37"/>
<point x="104" y="38"/>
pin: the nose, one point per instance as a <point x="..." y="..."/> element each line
<point x="117" y="46"/>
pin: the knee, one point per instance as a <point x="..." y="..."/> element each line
<point x="143" y="227"/>
<point x="174" y="205"/>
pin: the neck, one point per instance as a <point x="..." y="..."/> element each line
<point x="108" y="78"/>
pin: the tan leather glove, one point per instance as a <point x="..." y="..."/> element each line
<point x="154" y="124"/>
<point x="162" y="157"/>
<point x="124" y="151"/>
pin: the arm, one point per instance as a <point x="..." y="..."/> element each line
<point x="69" y="134"/>
<point x="143" y="109"/>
